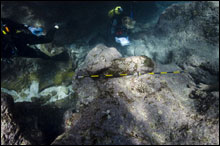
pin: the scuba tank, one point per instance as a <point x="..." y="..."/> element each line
<point x="8" y="48"/>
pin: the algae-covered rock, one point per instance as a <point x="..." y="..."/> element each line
<point x="24" y="79"/>
<point x="63" y="76"/>
<point x="99" y="58"/>
<point x="50" y="49"/>
<point x="131" y="65"/>
<point x="102" y="60"/>
<point x="87" y="90"/>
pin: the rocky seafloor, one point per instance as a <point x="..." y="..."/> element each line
<point x="43" y="101"/>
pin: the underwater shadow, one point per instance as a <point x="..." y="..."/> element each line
<point x="106" y="120"/>
<point x="39" y="124"/>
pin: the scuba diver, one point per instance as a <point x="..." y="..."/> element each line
<point x="120" y="25"/>
<point x="16" y="38"/>
<point x="116" y="16"/>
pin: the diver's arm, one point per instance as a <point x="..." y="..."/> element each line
<point x="42" y="39"/>
<point x="29" y="52"/>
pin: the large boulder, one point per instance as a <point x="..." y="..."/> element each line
<point x="10" y="130"/>
<point x="99" y="58"/>
<point x="131" y="65"/>
<point x="135" y="110"/>
<point x="190" y="29"/>
<point x="199" y="20"/>
<point x="26" y="123"/>
<point x="186" y="34"/>
<point x="194" y="29"/>
<point x="103" y="60"/>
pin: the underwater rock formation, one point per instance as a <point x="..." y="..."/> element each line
<point x="99" y="58"/>
<point x="103" y="62"/>
<point x="187" y="28"/>
<point x="131" y="65"/>
<point x="26" y="78"/>
<point x="199" y="20"/>
<point x="134" y="110"/>
<point x="103" y="59"/>
<point x="139" y="109"/>
<point x="10" y="130"/>
<point x="186" y="34"/>
<point x="194" y="30"/>
<point x="27" y="123"/>
<point x="206" y="98"/>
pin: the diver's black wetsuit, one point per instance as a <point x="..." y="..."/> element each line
<point x="116" y="28"/>
<point x="15" y="42"/>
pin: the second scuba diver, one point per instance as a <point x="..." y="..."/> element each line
<point x="120" y="25"/>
